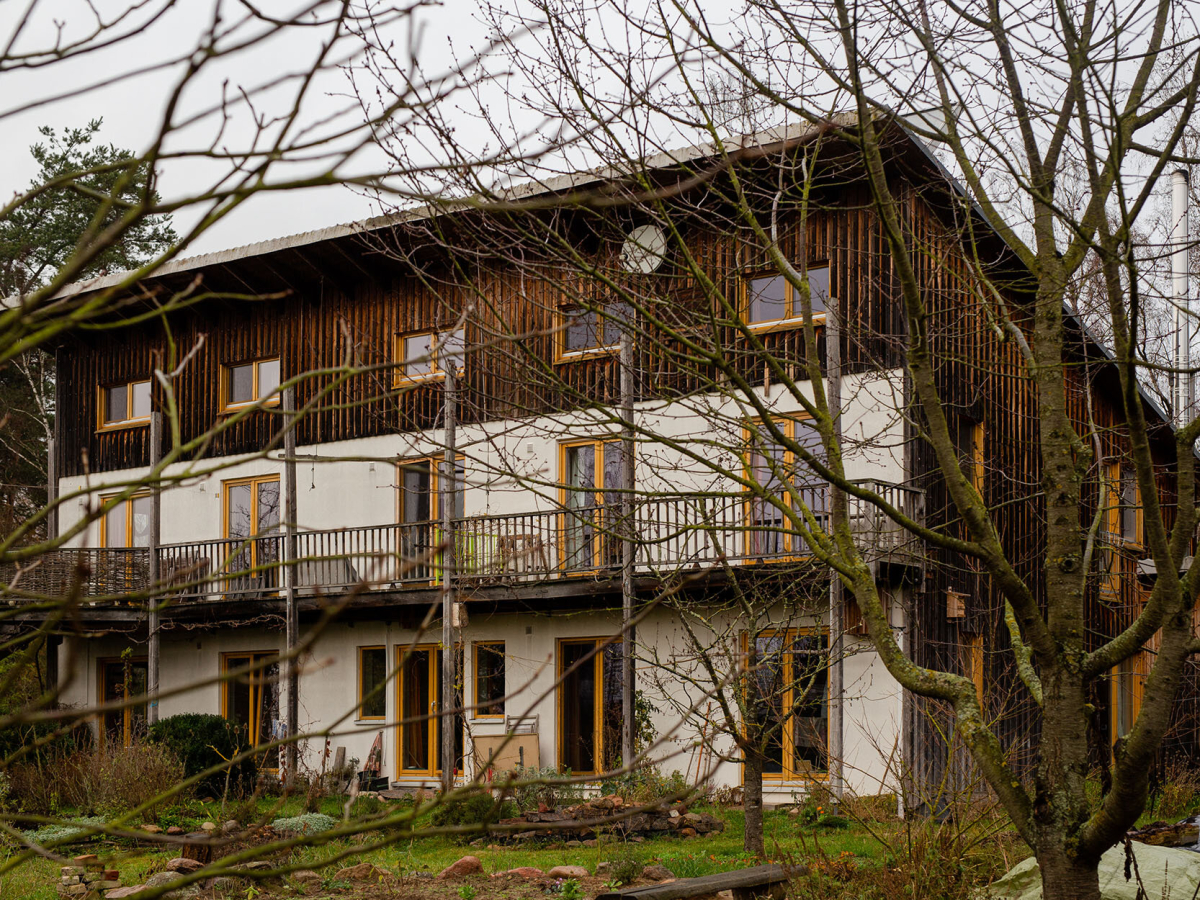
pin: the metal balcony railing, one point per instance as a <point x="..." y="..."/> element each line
<point x="671" y="532"/>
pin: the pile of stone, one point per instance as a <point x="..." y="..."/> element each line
<point x="586" y="822"/>
<point x="87" y="878"/>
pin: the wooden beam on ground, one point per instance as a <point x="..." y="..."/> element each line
<point x="757" y="881"/>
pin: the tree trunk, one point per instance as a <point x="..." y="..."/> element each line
<point x="1065" y="878"/>
<point x="752" y="802"/>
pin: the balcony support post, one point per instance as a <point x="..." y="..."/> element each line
<point x="153" y="598"/>
<point x="837" y="600"/>
<point x="292" y="666"/>
<point x="449" y="497"/>
<point x="628" y="550"/>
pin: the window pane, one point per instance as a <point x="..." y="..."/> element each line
<point x="451" y="349"/>
<point x="268" y="378"/>
<point x="116" y="403"/>
<point x="809" y="700"/>
<point x="268" y="507"/>
<point x="768" y="298"/>
<point x="616" y="316"/>
<point x="141" y="399"/>
<point x="374" y="676"/>
<point x="489" y="679"/>
<point x="415" y="710"/>
<point x="417" y="355"/>
<point x="238" y="501"/>
<point x="114" y="526"/>
<point x="241" y="384"/>
<point x="577" y="725"/>
<point x="1129" y="506"/>
<point x="414" y="493"/>
<point x="580" y="330"/>
<point x="818" y="287"/>
<point x="813" y="491"/>
<point x="770" y="686"/>
<point x="140" y="521"/>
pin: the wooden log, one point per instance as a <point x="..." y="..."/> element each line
<point x="757" y="881"/>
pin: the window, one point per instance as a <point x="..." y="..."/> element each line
<point x="790" y="683"/>
<point x="372" y="682"/>
<point x="119" y="680"/>
<point x="1128" y="680"/>
<point x="420" y="727"/>
<point x="586" y="330"/>
<point x="589" y="705"/>
<point x="420" y="512"/>
<point x="591" y="480"/>
<point x="770" y="299"/>
<point x="773" y="467"/>
<point x="127" y="524"/>
<point x="250" y="700"/>
<point x="252" y="532"/>
<point x="1111" y="535"/>
<point x="122" y="405"/>
<point x="489" y="679"/>
<point x="1131" y="508"/>
<point x="250" y="382"/>
<point x="426" y="355"/>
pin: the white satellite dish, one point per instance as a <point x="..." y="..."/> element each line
<point x="644" y="250"/>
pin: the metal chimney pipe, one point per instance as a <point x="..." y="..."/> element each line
<point x="1179" y="295"/>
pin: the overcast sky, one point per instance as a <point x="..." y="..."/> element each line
<point x="132" y="108"/>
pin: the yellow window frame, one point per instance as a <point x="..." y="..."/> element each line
<point x="434" y="747"/>
<point x="567" y="520"/>
<point x="126" y="504"/>
<point x="788" y="427"/>
<point x="102" y="424"/>
<point x="436" y="372"/>
<point x="258" y="683"/>
<point x="362" y="688"/>
<point x="223" y="383"/>
<point x="790" y="773"/>
<point x="794" y="317"/>
<point x="102" y="690"/>
<point x="597" y="662"/>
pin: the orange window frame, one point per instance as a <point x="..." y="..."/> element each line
<point x="794" y="317"/>
<point x="567" y="520"/>
<point x="259" y="683"/>
<point x="561" y="353"/>
<point x="598" y="702"/>
<point x="102" y="424"/>
<point x="223" y="382"/>
<point x="436" y="372"/>
<point x="102" y="689"/>
<point x="434" y="748"/>
<point x="788" y="423"/>
<point x="476" y="704"/>
<point x="790" y="772"/>
<point x="127" y="505"/>
<point x="362" y="687"/>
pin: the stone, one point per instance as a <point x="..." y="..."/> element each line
<point x="603" y="868"/>
<point x="158" y="879"/>
<point x="175" y="829"/>
<point x="568" y="872"/>
<point x="468" y="865"/>
<point x="233" y="825"/>
<point x="151" y="829"/>
<point x="105" y="885"/>
<point x="574" y="843"/>
<point x="73" y="890"/>
<point x="591" y="842"/>
<point x="658" y="873"/>
<point x="208" y="827"/>
<point x="688" y="832"/>
<point x="72" y="870"/>
<point x="306" y="876"/>
<point x="182" y="864"/>
<point x="525" y="836"/>
<point x="362" y="872"/>
<point x="121" y="893"/>
<point x="526" y="872"/>
<point x="69" y="880"/>
<point x="638" y="839"/>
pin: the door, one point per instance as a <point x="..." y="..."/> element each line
<point x="589" y="539"/>
<point x="250" y="700"/>
<point x="120" y="680"/>
<point x="791" y="685"/>
<point x="589" y="705"/>
<point x="420" y="690"/>
<point x="420" y="515"/>
<point x="252" y="533"/>
<point x="126" y="527"/>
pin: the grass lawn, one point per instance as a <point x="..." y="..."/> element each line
<point x="854" y="847"/>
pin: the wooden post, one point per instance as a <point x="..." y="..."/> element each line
<point x="292" y="668"/>
<point x="152" y="601"/>
<point x="51" y="489"/>
<point x="628" y="555"/>
<point x="837" y="605"/>
<point x="448" y="494"/>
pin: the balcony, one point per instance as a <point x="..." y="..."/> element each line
<point x="673" y="533"/>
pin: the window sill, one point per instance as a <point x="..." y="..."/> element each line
<point x="488" y="717"/>
<point x="784" y="324"/>
<point x="232" y="408"/>
<point x="570" y="356"/>
<point x="121" y="426"/>
<point x="370" y="721"/>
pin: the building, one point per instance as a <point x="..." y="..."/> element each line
<point x="365" y="320"/>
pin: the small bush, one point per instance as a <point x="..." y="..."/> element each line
<point x="202" y="741"/>
<point x="647" y="785"/>
<point x="624" y="868"/>
<point x="307" y="823"/>
<point x="367" y="807"/>
<point x="476" y="809"/>
<point x="124" y="778"/>
<point x="63" y="831"/>
<point x="543" y="786"/>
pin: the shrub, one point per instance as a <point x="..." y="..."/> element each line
<point x="307" y="823"/>
<point x="543" y="786"/>
<point x="124" y="778"/>
<point x="201" y="741"/>
<point x="647" y="785"/>
<point x="475" y="809"/>
<point x="63" y="831"/>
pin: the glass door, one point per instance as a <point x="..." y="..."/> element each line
<point x="420" y="690"/>
<point x="252" y="531"/>
<point x="250" y="700"/>
<point x="121" y="679"/>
